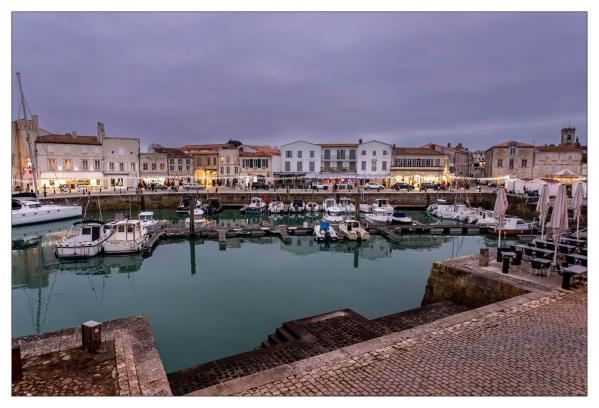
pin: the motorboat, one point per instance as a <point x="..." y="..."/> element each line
<point x="84" y="240"/>
<point x="128" y="236"/>
<point x="482" y="217"/>
<point x="28" y="210"/>
<point x="324" y="232"/>
<point x="511" y="226"/>
<point x="333" y="219"/>
<point x="330" y="206"/>
<point x="146" y="219"/>
<point x="382" y="206"/>
<point x="365" y="208"/>
<point x="198" y="217"/>
<point x="297" y="207"/>
<point x="346" y="205"/>
<point x="256" y="206"/>
<point x="276" y="207"/>
<point x="214" y="206"/>
<point x="183" y="207"/>
<point x="352" y="230"/>
<point x="378" y="219"/>
<point x="400" y="217"/>
<point x="440" y="206"/>
<point x="312" y="207"/>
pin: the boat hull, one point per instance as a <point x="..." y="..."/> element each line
<point x="45" y="215"/>
<point x="495" y="231"/>
<point x="123" y="247"/>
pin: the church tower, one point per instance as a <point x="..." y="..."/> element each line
<point x="568" y="136"/>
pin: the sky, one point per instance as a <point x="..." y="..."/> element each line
<point x="272" y="78"/>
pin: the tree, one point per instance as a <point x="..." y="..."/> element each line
<point x="153" y="146"/>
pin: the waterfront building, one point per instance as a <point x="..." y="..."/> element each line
<point x="205" y="162"/>
<point x="257" y="162"/>
<point x="153" y="167"/>
<point x="121" y="162"/>
<point x="338" y="162"/>
<point x="551" y="161"/>
<point x="228" y="163"/>
<point x="374" y="161"/>
<point x="459" y="159"/>
<point x="21" y="163"/>
<point x="510" y="159"/>
<point x="69" y="160"/>
<point x="300" y="159"/>
<point x="478" y="163"/>
<point x="180" y="168"/>
<point x="569" y="137"/>
<point x="418" y="165"/>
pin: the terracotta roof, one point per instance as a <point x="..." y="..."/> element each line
<point x="68" y="139"/>
<point x="557" y="149"/>
<point x="172" y="152"/>
<point x="511" y="142"/>
<point x="202" y="146"/>
<point x="338" y="144"/>
<point x="406" y="151"/>
<point x="267" y="150"/>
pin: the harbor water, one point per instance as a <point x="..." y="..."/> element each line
<point x="204" y="303"/>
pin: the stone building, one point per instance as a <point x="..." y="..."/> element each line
<point x="374" y="161"/>
<point x="478" y="163"/>
<point x="339" y="161"/>
<point x="550" y="160"/>
<point x="153" y="167"/>
<point x="569" y="137"/>
<point x="257" y="162"/>
<point x="300" y="159"/>
<point x="71" y="160"/>
<point x="418" y="165"/>
<point x="511" y="158"/>
<point x="205" y="162"/>
<point x="121" y="162"/>
<point x="459" y="159"/>
<point x="228" y="163"/>
<point x="179" y="164"/>
<point x="21" y="163"/>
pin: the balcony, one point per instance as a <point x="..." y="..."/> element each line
<point x="337" y="170"/>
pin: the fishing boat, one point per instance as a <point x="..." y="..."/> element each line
<point x="256" y="206"/>
<point x="297" y="207"/>
<point x="333" y="219"/>
<point x="440" y="206"/>
<point x="146" y="219"/>
<point x="346" y="205"/>
<point x="381" y="205"/>
<point x="127" y="237"/>
<point x="330" y="206"/>
<point x="214" y="206"/>
<point x="276" y="207"/>
<point x="28" y="210"/>
<point x="352" y="230"/>
<point x="365" y="208"/>
<point x="400" y="217"/>
<point x="84" y="240"/>
<point x="377" y="219"/>
<point x="324" y="232"/>
<point x="511" y="226"/>
<point x="198" y="217"/>
<point x="312" y="207"/>
<point x="482" y="217"/>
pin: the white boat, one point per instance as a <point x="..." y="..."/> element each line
<point x="146" y="219"/>
<point x="256" y="206"/>
<point x="275" y="207"/>
<point x="400" y="217"/>
<point x="330" y="206"/>
<point x="381" y="205"/>
<point x="85" y="240"/>
<point x="127" y="237"/>
<point x="346" y="205"/>
<point x="333" y="219"/>
<point x="440" y="205"/>
<point x="297" y="207"/>
<point x="198" y="217"/>
<point x="511" y="226"/>
<point x="312" y="207"/>
<point x="324" y="232"/>
<point x="377" y="219"/>
<point x="483" y="217"/>
<point x="352" y="230"/>
<point x="28" y="210"/>
<point x="365" y="208"/>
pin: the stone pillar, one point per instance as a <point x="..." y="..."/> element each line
<point x="91" y="336"/>
<point x="483" y="257"/>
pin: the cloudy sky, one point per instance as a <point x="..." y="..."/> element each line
<point x="404" y="78"/>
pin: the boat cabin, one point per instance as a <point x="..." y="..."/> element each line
<point x="127" y="230"/>
<point x="146" y="216"/>
<point x="351" y="224"/>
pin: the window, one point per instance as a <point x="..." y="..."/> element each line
<point x="299" y="166"/>
<point x="111" y="166"/>
<point x="96" y="150"/>
<point x="288" y="154"/>
<point x="162" y="166"/>
<point x="311" y="166"/>
<point x="265" y="163"/>
<point x="374" y="152"/>
<point x="499" y="162"/>
<point x="311" y="154"/>
<point x="188" y="162"/>
<point x="511" y="163"/>
<point x="373" y="168"/>
<point x="153" y="166"/>
<point x="52" y="164"/>
<point x="438" y="162"/>
<point x="213" y="161"/>
<point x="68" y="164"/>
<point x="299" y="154"/>
<point x="228" y="159"/>
<point x="228" y="170"/>
<point x="363" y="166"/>
<point x="96" y="164"/>
<point x="339" y="165"/>
<point x="84" y="149"/>
<point x="222" y="170"/>
<point x="171" y="161"/>
<point x="180" y="167"/>
<point x="121" y="166"/>
<point x="385" y="152"/>
<point x="180" y="161"/>
<point x="384" y="165"/>
<point x="352" y="155"/>
<point x="524" y="162"/>
<point x="236" y="169"/>
<point x="327" y="154"/>
<point x="132" y="166"/>
<point x="121" y="151"/>
<point x="363" y="152"/>
<point x="171" y="167"/>
<point x="287" y="166"/>
<point x="144" y="166"/>
<point x="84" y="165"/>
<point x="512" y="151"/>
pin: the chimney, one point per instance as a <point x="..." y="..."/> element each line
<point x="448" y="144"/>
<point x="359" y="141"/>
<point x="101" y="133"/>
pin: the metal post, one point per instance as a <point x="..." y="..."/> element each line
<point x="192" y="205"/>
<point x="506" y="265"/>
<point x="91" y="336"/>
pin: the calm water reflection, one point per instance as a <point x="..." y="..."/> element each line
<point x="204" y="303"/>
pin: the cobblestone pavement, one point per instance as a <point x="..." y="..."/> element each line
<point x="535" y="348"/>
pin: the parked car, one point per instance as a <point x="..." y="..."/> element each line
<point x="63" y="188"/>
<point x="402" y="186"/>
<point x="345" y="187"/>
<point x="157" y="186"/>
<point x="373" y="186"/>
<point x="428" y="186"/>
<point x="192" y="186"/>
<point x="259" y="185"/>
<point x="319" y="186"/>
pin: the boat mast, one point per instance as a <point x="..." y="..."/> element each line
<point x="31" y="150"/>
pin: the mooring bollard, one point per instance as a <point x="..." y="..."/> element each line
<point x="505" y="267"/>
<point x="91" y="336"/>
<point x="17" y="364"/>
<point x="483" y="257"/>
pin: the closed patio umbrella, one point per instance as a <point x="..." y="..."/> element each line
<point x="543" y="207"/>
<point x="500" y="209"/>
<point x="559" y="218"/>
<point x="576" y="204"/>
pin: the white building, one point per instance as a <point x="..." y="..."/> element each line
<point x="301" y="158"/>
<point x="374" y="160"/>
<point x="121" y="162"/>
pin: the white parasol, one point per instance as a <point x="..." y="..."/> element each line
<point x="576" y="203"/>
<point x="543" y="207"/>
<point x="559" y="218"/>
<point x="500" y="209"/>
